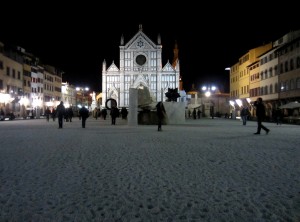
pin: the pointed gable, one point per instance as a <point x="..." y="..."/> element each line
<point x="168" y="67"/>
<point x="113" y="68"/>
<point x="140" y="80"/>
<point x="140" y="41"/>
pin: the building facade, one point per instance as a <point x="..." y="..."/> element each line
<point x="11" y="81"/>
<point x="271" y="71"/>
<point x="140" y="67"/>
<point x="27" y="87"/>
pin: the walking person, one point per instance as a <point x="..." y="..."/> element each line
<point x="95" y="113"/>
<point x="194" y="113"/>
<point x="53" y="114"/>
<point x="70" y="113"/>
<point x="124" y="113"/>
<point x="104" y="113"/>
<point x="2" y="115"/>
<point x="60" y="111"/>
<point x="244" y="114"/>
<point x="160" y="111"/>
<point x="198" y="113"/>
<point x="260" y="115"/>
<point x="84" y="114"/>
<point x="47" y="114"/>
<point x="114" y="113"/>
<point x="278" y="116"/>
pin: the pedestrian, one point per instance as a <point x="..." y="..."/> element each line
<point x="47" y="114"/>
<point x="60" y="112"/>
<point x="114" y="113"/>
<point x="53" y="114"/>
<point x="260" y="115"/>
<point x="244" y="114"/>
<point x="70" y="113"/>
<point x="161" y="112"/>
<point x="104" y="113"/>
<point x="2" y="115"/>
<point x="212" y="114"/>
<point x="278" y="116"/>
<point x="198" y="113"/>
<point x="194" y="113"/>
<point x="95" y="113"/>
<point x="84" y="114"/>
<point x="124" y="113"/>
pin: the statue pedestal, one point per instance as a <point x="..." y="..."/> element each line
<point x="175" y="114"/>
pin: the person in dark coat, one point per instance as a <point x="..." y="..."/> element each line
<point x="260" y="115"/>
<point x="47" y="114"/>
<point x="278" y="116"/>
<point x="2" y="115"/>
<point x="198" y="113"/>
<point x="84" y="114"/>
<point x="244" y="114"/>
<point x="104" y="113"/>
<point x="160" y="111"/>
<point x="70" y="113"/>
<point x="60" y="112"/>
<point x="114" y="113"/>
<point x="124" y="113"/>
<point x="53" y="114"/>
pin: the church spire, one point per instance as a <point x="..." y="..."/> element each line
<point x="104" y="65"/>
<point x="175" y="58"/>
<point x="122" y="40"/>
<point x="158" y="39"/>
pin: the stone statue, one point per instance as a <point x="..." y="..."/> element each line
<point x="172" y="95"/>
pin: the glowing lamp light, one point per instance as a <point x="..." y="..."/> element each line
<point x="207" y="94"/>
<point x="231" y="103"/>
<point x="4" y="98"/>
<point x="239" y="102"/>
<point x="24" y="101"/>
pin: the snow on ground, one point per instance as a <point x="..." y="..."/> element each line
<point x="204" y="170"/>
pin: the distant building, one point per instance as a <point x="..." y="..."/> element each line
<point x="141" y="68"/>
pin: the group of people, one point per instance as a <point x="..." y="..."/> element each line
<point x="62" y="112"/>
<point x="161" y="115"/>
<point x="245" y="113"/>
<point x="114" y="113"/>
<point x="196" y="114"/>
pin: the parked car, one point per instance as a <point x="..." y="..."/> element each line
<point x="9" y="116"/>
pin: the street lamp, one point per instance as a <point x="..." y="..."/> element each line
<point x="208" y="91"/>
<point x="82" y="90"/>
<point x="232" y="110"/>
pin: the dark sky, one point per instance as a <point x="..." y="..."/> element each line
<point x="76" y="38"/>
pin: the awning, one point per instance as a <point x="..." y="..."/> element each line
<point x="291" y="105"/>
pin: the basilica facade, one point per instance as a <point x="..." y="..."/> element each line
<point x="140" y="68"/>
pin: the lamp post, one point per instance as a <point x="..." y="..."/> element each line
<point x="232" y="109"/>
<point x="83" y="100"/>
<point x="208" y="91"/>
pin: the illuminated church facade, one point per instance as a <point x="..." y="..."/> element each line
<point x="140" y="67"/>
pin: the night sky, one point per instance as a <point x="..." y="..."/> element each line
<point x="76" y="38"/>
